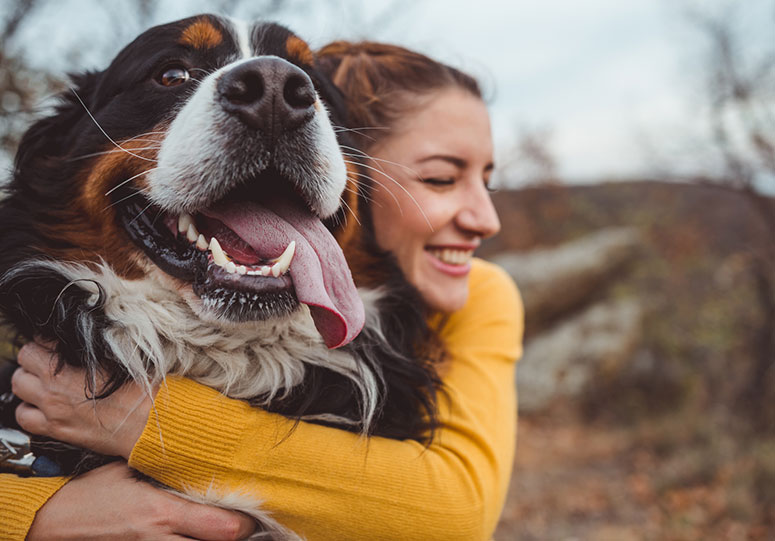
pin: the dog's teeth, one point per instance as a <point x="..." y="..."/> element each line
<point x="266" y="271"/>
<point x="201" y="242"/>
<point x="218" y="256"/>
<point x="230" y="267"/>
<point x="184" y="221"/>
<point x="284" y="261"/>
<point x="242" y="269"/>
<point x="191" y="233"/>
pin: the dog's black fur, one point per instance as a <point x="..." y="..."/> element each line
<point x="43" y="217"/>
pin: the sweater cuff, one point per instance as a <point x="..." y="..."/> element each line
<point x="21" y="498"/>
<point x="191" y="433"/>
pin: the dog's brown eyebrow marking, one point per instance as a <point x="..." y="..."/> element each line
<point x="299" y="49"/>
<point x="201" y="34"/>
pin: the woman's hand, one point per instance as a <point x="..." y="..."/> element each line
<point x="108" y="503"/>
<point x="56" y="405"/>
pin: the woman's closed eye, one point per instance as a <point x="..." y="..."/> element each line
<point x="438" y="181"/>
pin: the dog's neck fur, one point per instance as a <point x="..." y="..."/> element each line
<point x="154" y="332"/>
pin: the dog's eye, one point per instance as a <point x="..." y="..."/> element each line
<point x="173" y="76"/>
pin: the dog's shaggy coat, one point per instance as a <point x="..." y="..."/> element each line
<point x="175" y="131"/>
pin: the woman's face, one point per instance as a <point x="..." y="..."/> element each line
<point x="431" y="206"/>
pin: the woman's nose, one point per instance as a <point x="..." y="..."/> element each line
<point x="477" y="214"/>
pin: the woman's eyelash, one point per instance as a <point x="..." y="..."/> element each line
<point x="438" y="181"/>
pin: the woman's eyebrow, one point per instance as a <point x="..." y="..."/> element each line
<point x="454" y="160"/>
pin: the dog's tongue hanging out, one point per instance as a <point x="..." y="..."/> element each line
<point x="320" y="274"/>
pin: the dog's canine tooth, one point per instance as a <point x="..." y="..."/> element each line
<point x="184" y="221"/>
<point x="191" y="233"/>
<point x="201" y="242"/>
<point x="284" y="261"/>
<point x="219" y="257"/>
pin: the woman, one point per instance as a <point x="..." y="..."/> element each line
<point x="426" y="130"/>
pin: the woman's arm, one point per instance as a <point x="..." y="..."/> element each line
<point x="331" y="484"/>
<point x="20" y="499"/>
<point x="107" y="503"/>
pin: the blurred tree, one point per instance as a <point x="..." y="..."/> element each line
<point x="529" y="160"/>
<point x="740" y="86"/>
<point x="21" y="88"/>
<point x="24" y="85"/>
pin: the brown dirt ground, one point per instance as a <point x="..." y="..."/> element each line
<point x="591" y="481"/>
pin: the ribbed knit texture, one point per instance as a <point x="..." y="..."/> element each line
<point x="330" y="484"/>
<point x="20" y="499"/>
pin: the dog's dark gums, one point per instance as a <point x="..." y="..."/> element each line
<point x="98" y="187"/>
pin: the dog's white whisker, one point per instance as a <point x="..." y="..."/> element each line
<point x="133" y="194"/>
<point x="104" y="132"/>
<point x="351" y="212"/>
<point x="383" y="173"/>
<point x="123" y="182"/>
<point x="363" y="154"/>
<point x="149" y="205"/>
<point x="115" y="150"/>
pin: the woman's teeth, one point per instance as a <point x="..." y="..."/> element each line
<point x="278" y="267"/>
<point x="451" y="256"/>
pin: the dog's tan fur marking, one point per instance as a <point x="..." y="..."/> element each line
<point x="299" y="49"/>
<point x="201" y="34"/>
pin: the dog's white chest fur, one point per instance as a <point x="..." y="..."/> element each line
<point x="153" y="331"/>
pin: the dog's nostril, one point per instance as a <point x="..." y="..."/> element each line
<point x="268" y="94"/>
<point x="249" y="88"/>
<point x="298" y="92"/>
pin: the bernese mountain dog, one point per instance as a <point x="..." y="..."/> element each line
<point x="179" y="212"/>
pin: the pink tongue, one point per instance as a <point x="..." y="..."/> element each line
<point x="319" y="271"/>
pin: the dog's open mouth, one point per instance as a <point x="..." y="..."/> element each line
<point x="252" y="257"/>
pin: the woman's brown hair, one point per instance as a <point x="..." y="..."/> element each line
<point x="381" y="83"/>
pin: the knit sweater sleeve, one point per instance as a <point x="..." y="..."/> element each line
<point x="326" y="483"/>
<point x="20" y="499"/>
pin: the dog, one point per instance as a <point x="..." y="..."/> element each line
<point x="179" y="212"/>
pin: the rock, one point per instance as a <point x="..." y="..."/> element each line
<point x="566" y="359"/>
<point x="560" y="280"/>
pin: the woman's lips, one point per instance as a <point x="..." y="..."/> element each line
<point x="451" y="260"/>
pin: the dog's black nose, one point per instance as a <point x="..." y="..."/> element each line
<point x="268" y="94"/>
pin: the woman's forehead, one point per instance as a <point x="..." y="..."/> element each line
<point x="453" y="124"/>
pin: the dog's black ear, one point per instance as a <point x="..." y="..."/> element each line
<point x="48" y="136"/>
<point x="330" y="93"/>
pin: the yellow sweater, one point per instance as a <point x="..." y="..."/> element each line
<point x="326" y="483"/>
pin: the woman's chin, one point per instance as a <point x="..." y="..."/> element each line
<point x="443" y="286"/>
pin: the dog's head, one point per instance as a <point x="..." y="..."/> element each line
<point x="204" y="150"/>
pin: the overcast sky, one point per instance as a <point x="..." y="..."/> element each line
<point x="615" y="82"/>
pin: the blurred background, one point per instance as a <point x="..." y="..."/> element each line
<point x="636" y="164"/>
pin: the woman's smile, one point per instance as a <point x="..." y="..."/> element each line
<point x="437" y="163"/>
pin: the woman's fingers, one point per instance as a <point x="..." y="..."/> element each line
<point x="27" y="386"/>
<point x="36" y="358"/>
<point x="109" y="503"/>
<point x="31" y="419"/>
<point x="212" y="523"/>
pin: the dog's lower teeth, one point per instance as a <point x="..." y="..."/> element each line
<point x="201" y="242"/>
